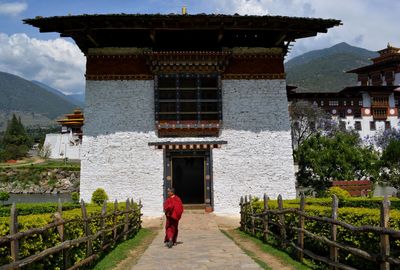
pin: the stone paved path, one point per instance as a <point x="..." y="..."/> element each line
<point x="201" y="245"/>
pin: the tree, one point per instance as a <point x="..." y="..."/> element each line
<point x="383" y="138"/>
<point x="308" y="120"/>
<point x="15" y="143"/>
<point x="390" y="164"/>
<point x="338" y="156"/>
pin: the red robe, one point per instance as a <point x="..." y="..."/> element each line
<point x="173" y="209"/>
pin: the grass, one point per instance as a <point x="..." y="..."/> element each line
<point x="281" y="256"/>
<point x="46" y="164"/>
<point x="122" y="251"/>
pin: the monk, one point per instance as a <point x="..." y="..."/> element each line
<point x="173" y="210"/>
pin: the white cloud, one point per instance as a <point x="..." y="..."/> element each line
<point x="58" y="62"/>
<point x="368" y="24"/>
<point x="12" y="9"/>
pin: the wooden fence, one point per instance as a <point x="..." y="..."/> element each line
<point x="130" y="225"/>
<point x="261" y="223"/>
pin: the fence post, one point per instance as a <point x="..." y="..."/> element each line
<point x="245" y="213"/>
<point x="103" y="224"/>
<point x="115" y="219"/>
<point x="14" y="230"/>
<point x="282" y="222"/>
<point x="266" y="217"/>
<point x="253" y="231"/>
<point x="241" y="213"/>
<point x="126" y="225"/>
<point x="300" y="237"/>
<point x="334" y="250"/>
<point x="89" y="249"/>
<point x="385" y="245"/>
<point x="60" y="228"/>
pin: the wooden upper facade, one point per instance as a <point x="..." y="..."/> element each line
<point x="72" y="122"/>
<point x="383" y="70"/>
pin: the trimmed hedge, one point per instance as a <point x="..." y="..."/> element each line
<point x="374" y="202"/>
<point x="36" y="208"/>
<point x="36" y="243"/>
<point x="355" y="216"/>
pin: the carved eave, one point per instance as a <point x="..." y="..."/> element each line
<point x="187" y="61"/>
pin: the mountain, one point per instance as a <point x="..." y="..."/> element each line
<point x="325" y="70"/>
<point x="78" y="98"/>
<point x="75" y="99"/>
<point x="34" y="104"/>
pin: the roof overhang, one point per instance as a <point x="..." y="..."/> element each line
<point x="182" y="32"/>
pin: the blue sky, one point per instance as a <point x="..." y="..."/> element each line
<point x="45" y="57"/>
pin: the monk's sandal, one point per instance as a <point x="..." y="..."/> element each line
<point x="170" y="244"/>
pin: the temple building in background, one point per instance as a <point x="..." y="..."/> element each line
<point x="194" y="102"/>
<point x="370" y="106"/>
<point x="67" y="143"/>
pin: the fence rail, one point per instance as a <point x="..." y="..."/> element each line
<point x="130" y="225"/>
<point x="254" y="223"/>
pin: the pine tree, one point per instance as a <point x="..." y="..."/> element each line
<point x="16" y="142"/>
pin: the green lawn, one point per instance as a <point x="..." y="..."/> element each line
<point x="122" y="251"/>
<point x="281" y="256"/>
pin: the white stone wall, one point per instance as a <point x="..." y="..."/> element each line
<point x="258" y="157"/>
<point x="63" y="145"/>
<point x="119" y="124"/>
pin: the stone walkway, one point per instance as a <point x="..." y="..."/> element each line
<point x="201" y="245"/>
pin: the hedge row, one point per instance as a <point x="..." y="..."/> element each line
<point x="36" y="208"/>
<point x="355" y="216"/>
<point x="374" y="202"/>
<point x="36" y="243"/>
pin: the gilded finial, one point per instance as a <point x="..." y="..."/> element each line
<point x="184" y="10"/>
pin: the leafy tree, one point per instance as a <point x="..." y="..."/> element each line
<point x="15" y="143"/>
<point x="339" y="156"/>
<point x="307" y="120"/>
<point x="383" y="138"/>
<point x="390" y="164"/>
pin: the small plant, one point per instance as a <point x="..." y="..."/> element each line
<point x="4" y="196"/>
<point x="340" y="193"/>
<point x="75" y="197"/>
<point x="99" y="196"/>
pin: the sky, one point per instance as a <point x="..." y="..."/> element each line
<point x="58" y="62"/>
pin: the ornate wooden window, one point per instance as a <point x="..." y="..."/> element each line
<point x="188" y="105"/>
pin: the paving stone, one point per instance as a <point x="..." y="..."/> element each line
<point x="201" y="245"/>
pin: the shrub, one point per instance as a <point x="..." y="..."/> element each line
<point x="36" y="243"/>
<point x="99" y="196"/>
<point x="355" y="216"/>
<point x="75" y="197"/>
<point x="4" y="196"/>
<point x="340" y="193"/>
<point x="35" y="208"/>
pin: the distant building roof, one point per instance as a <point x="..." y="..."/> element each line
<point x="180" y="32"/>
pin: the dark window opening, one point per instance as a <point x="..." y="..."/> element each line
<point x="357" y="125"/>
<point x="188" y="97"/>
<point x="372" y="125"/>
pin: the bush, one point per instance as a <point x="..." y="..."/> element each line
<point x="4" y="196"/>
<point x="99" y="196"/>
<point x="35" y="208"/>
<point x="36" y="243"/>
<point x="340" y="193"/>
<point x="355" y="216"/>
<point x="75" y="197"/>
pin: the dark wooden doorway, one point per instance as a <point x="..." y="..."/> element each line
<point x="188" y="179"/>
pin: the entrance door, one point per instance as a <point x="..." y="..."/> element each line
<point x="188" y="179"/>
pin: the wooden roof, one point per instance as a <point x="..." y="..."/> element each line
<point x="181" y="32"/>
